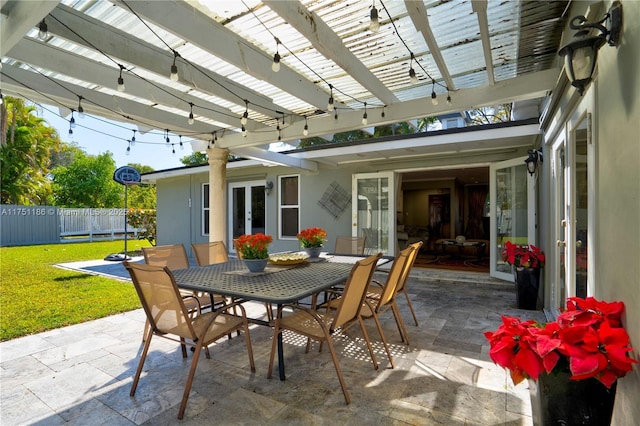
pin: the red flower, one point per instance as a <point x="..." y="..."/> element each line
<point x="253" y="246"/>
<point x="312" y="237"/>
<point x="526" y="256"/>
<point x="588" y="337"/>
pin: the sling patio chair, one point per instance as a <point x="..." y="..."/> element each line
<point x="169" y="318"/>
<point x="381" y="297"/>
<point x="210" y="253"/>
<point x="322" y="326"/>
<point x="349" y="245"/>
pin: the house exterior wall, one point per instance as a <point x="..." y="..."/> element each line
<point x="616" y="194"/>
<point x="173" y="212"/>
<point x="617" y="126"/>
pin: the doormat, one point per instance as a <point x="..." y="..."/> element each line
<point x="468" y="264"/>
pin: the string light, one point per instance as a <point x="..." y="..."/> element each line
<point x="330" y="104"/>
<point x="173" y="150"/>
<point x="174" y="68"/>
<point x="305" y="131"/>
<point x="133" y="138"/>
<point x="412" y="73"/>
<point x="191" y="120"/>
<point x="128" y="148"/>
<point x="166" y="133"/>
<point x="43" y="30"/>
<point x="448" y="97"/>
<point x="374" y="23"/>
<point x="279" y="134"/>
<point x="1" y="98"/>
<point x="245" y="115"/>
<point x="244" y="131"/>
<point x="275" y="66"/>
<point x="382" y="113"/>
<point x="434" y="97"/>
<point x="80" y="109"/>
<point x="121" y="87"/>
<point x="181" y="145"/>
<point x="364" y="116"/>
<point x="72" y="121"/>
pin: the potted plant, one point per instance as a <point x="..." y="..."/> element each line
<point x="527" y="261"/>
<point x="253" y="249"/>
<point x="312" y="240"/>
<point x="574" y="361"/>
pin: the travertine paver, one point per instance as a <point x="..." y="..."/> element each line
<point x="82" y="374"/>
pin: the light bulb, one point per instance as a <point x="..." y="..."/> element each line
<point x="128" y="150"/>
<point x="72" y="123"/>
<point x="305" y="131"/>
<point x="412" y="76"/>
<point x="80" y="111"/>
<point x="374" y="24"/>
<point x="364" y="119"/>
<point x="275" y="66"/>
<point x="174" y="73"/>
<point x="449" y="99"/>
<point x="330" y="104"/>
<point x="434" y="98"/>
<point x="244" y="118"/>
<point x="70" y="131"/>
<point x="191" y="120"/>
<point x="244" y="131"/>
<point x="43" y="30"/>
<point x="121" y="87"/>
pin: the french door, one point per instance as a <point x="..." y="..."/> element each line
<point x="572" y="156"/>
<point x="246" y="209"/>
<point x="512" y="211"/>
<point x="373" y="211"/>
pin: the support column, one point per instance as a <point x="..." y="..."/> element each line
<point x="218" y="194"/>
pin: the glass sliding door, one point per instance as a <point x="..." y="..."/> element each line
<point x="373" y="211"/>
<point x="246" y="209"/>
<point x="512" y="211"/>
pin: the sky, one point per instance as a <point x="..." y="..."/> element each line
<point x="97" y="135"/>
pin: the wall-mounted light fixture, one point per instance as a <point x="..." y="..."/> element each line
<point x="581" y="55"/>
<point x="535" y="156"/>
<point x="268" y="186"/>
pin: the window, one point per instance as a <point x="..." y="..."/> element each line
<point x="289" y="203"/>
<point x="205" y="209"/>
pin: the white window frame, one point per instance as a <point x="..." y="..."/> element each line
<point x="205" y="209"/>
<point x="292" y="206"/>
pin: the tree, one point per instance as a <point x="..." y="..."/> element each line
<point x="490" y="114"/>
<point x="195" y="159"/>
<point x="141" y="196"/>
<point x="87" y="182"/>
<point x="27" y="145"/>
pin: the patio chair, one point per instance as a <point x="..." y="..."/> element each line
<point x="322" y="326"/>
<point x="210" y="253"/>
<point x="349" y="245"/>
<point x="381" y="297"/>
<point x="169" y="318"/>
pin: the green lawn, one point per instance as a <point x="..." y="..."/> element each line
<point x="36" y="296"/>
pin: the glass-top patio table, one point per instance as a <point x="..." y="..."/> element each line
<point x="277" y="284"/>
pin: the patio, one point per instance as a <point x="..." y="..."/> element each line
<point x="82" y="374"/>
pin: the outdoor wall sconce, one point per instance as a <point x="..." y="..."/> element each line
<point x="535" y="156"/>
<point x="580" y="56"/>
<point x="268" y="187"/>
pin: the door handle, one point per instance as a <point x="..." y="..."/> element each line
<point x="561" y="243"/>
<point x="579" y="243"/>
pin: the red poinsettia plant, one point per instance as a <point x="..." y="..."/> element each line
<point x="587" y="337"/>
<point x="523" y="255"/>
<point x="253" y="246"/>
<point x="312" y="237"/>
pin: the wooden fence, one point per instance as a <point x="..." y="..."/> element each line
<point x="26" y="225"/>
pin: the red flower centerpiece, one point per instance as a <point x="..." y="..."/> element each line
<point x="253" y="246"/>
<point x="587" y="338"/>
<point x="312" y="237"/>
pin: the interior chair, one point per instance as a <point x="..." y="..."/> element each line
<point x="381" y="297"/>
<point x="169" y="318"/>
<point x="321" y="326"/>
<point x="349" y="245"/>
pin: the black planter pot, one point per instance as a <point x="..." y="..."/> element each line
<point x="527" y="287"/>
<point x="573" y="402"/>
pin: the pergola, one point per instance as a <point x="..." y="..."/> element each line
<point x="477" y="52"/>
<point x="464" y="54"/>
